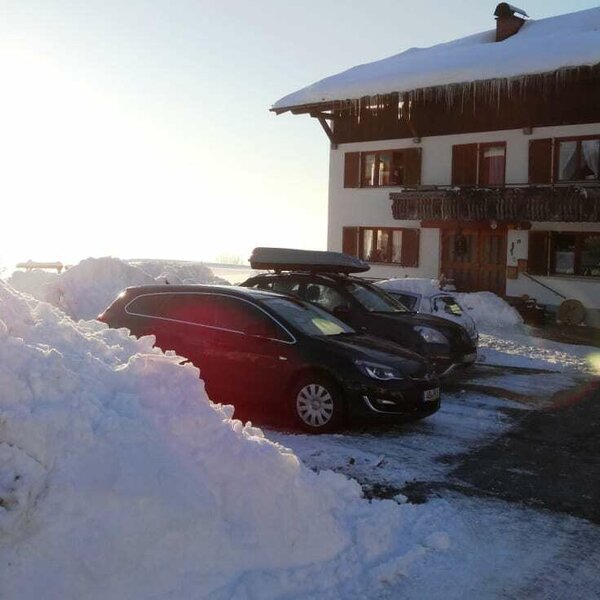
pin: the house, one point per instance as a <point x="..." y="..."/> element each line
<point x="476" y="159"/>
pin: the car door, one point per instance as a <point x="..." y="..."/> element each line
<point x="254" y="352"/>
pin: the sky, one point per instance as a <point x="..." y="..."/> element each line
<point x="141" y="128"/>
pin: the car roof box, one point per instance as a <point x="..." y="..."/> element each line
<point x="315" y="261"/>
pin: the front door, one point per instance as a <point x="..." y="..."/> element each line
<point x="475" y="259"/>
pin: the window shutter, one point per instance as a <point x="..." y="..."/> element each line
<point x="351" y="169"/>
<point x="540" y="161"/>
<point x="350" y="241"/>
<point x="537" y="260"/>
<point x="412" y="166"/>
<point x="464" y="164"/>
<point x="410" y="247"/>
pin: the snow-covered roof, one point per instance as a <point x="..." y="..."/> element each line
<point x="547" y="45"/>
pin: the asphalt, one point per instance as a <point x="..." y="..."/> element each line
<point x="549" y="460"/>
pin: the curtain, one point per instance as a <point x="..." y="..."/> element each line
<point x="567" y="161"/>
<point x="591" y="155"/>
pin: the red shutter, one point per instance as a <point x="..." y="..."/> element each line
<point x="410" y="247"/>
<point x="540" y="161"/>
<point x="351" y="169"/>
<point x="350" y="241"/>
<point x="464" y="164"/>
<point x="412" y="166"/>
<point x="537" y="260"/>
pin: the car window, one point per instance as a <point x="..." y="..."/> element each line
<point x="191" y="308"/>
<point x="407" y="300"/>
<point x="325" y="296"/>
<point x="448" y="305"/>
<point x="309" y="319"/>
<point x="147" y="305"/>
<point x="240" y="316"/>
<point x="372" y="298"/>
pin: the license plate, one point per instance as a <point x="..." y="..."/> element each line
<point x="431" y="395"/>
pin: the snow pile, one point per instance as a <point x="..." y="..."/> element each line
<point x="177" y="272"/>
<point x="542" y="46"/>
<point x="119" y="479"/>
<point x="489" y="311"/>
<point x="85" y="290"/>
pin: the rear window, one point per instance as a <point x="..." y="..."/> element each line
<point x="147" y="305"/>
<point x="448" y="305"/>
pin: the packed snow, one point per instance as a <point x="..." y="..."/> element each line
<point x="120" y="479"/>
<point x="86" y="289"/>
<point x="541" y="46"/>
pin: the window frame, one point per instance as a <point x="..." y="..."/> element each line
<point x="556" y="157"/>
<point x="389" y="250"/>
<point x="291" y="338"/>
<point x="550" y="259"/>
<point x="377" y="158"/>
<point x="478" y="167"/>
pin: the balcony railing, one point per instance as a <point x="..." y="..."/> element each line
<point x="520" y="203"/>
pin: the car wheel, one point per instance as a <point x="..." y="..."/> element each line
<point x="317" y="404"/>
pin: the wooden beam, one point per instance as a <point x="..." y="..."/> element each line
<point x="326" y="128"/>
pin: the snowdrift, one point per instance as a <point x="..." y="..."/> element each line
<point x="85" y="290"/>
<point x="120" y="479"/>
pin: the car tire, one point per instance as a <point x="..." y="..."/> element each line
<point x="316" y="404"/>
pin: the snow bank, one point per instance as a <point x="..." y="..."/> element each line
<point x="489" y="311"/>
<point x="85" y="290"/>
<point x="541" y="46"/>
<point x="120" y="479"/>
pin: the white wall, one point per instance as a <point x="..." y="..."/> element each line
<point x="372" y="206"/>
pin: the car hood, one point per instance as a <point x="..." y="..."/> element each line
<point x="455" y="333"/>
<point x="366" y="347"/>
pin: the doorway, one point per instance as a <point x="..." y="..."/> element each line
<point x="475" y="259"/>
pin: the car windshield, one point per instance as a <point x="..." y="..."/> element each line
<point x="309" y="319"/>
<point x="374" y="299"/>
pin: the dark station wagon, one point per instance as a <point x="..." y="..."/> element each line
<point x="274" y="357"/>
<point x="324" y="279"/>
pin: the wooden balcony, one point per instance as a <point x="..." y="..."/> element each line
<point x="518" y="203"/>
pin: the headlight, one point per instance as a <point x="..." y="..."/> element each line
<point x="378" y="371"/>
<point x="431" y="336"/>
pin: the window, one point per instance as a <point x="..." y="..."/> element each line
<point x="191" y="308"/>
<point x="310" y="320"/>
<point x="383" y="168"/>
<point x="578" y="159"/>
<point x="242" y="317"/>
<point x="372" y="298"/>
<point x="564" y="253"/>
<point x="383" y="245"/>
<point x="479" y="164"/>
<point x="324" y="296"/>
<point x="147" y="305"/>
<point x="492" y="158"/>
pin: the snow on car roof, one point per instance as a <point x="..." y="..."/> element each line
<point x="415" y="285"/>
<point x="542" y="46"/>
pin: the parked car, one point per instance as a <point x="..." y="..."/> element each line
<point x="425" y="297"/>
<point x="315" y="277"/>
<point x="269" y="354"/>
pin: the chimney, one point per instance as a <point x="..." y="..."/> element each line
<point x="507" y="21"/>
